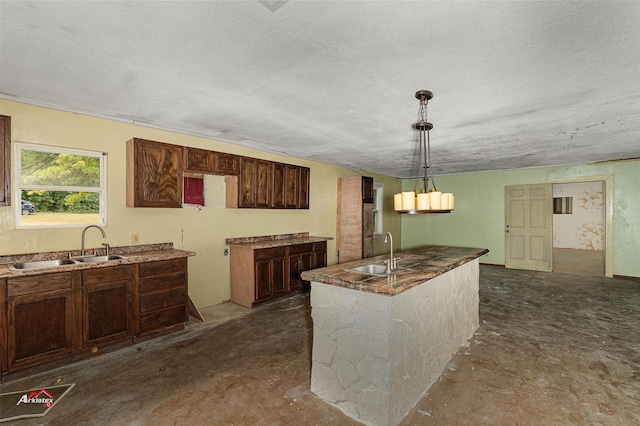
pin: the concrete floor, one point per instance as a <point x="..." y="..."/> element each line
<point x="552" y="349"/>
<point x="575" y="261"/>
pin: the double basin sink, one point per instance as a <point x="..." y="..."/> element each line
<point x="37" y="264"/>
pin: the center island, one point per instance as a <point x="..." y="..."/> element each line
<point x="380" y="340"/>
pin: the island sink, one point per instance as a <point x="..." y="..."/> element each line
<point x="371" y="269"/>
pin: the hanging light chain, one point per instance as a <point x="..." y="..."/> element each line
<point x="423" y="109"/>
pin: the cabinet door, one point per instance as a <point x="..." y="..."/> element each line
<point x="154" y="174"/>
<point x="5" y="160"/>
<point x="279" y="181"/>
<point x="270" y="278"/>
<point x="303" y="188"/>
<point x="106" y="313"/>
<point x="198" y="160"/>
<point x="263" y="279"/>
<point x="225" y="164"/>
<point x="292" y="182"/>
<point x="367" y="230"/>
<point x="106" y="305"/>
<point x="270" y="275"/>
<point x="304" y="262"/>
<point x="278" y="276"/>
<point x="246" y="183"/>
<point x="40" y="328"/>
<point x="300" y="259"/>
<point x="263" y="184"/>
<point x="367" y="189"/>
<point x="319" y="255"/>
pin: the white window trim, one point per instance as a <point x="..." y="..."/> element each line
<point x="377" y="205"/>
<point x="17" y="178"/>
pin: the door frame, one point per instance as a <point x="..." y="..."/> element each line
<point x="608" y="214"/>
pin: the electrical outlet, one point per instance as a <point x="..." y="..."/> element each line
<point x="135" y="238"/>
<point x="226" y="251"/>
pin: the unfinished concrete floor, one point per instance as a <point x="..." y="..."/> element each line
<point x="552" y="349"/>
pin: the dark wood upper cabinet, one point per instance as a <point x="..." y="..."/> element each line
<point x="154" y="174"/>
<point x="210" y="162"/>
<point x="198" y="160"/>
<point x="292" y="183"/>
<point x="225" y="164"/>
<point x="5" y="160"/>
<point x="367" y="189"/>
<point x="303" y="187"/>
<point x="246" y="182"/>
<point x="278" y="196"/>
<point x="263" y="184"/>
<point x="253" y="184"/>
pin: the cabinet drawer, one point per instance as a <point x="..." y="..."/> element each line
<point x="163" y="299"/>
<point x="162" y="267"/>
<point x="164" y="318"/>
<point x="38" y="283"/>
<point x="270" y="253"/>
<point x="103" y="275"/>
<point x="320" y="246"/>
<point x="157" y="283"/>
<point x="300" y="249"/>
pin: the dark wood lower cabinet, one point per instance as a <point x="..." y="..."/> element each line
<point x="260" y="275"/>
<point x="163" y="295"/>
<point x="41" y="319"/>
<point x="300" y="259"/>
<point x="106" y="305"/>
<point x="270" y="269"/>
<point x="56" y="318"/>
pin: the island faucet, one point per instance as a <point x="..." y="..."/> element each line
<point x="392" y="262"/>
<point x="104" y="235"/>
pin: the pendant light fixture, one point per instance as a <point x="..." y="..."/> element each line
<point x="425" y="199"/>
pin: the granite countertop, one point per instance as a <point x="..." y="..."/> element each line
<point x="269" y="241"/>
<point x="133" y="254"/>
<point x="415" y="266"/>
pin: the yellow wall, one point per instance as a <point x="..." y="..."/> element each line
<point x="202" y="232"/>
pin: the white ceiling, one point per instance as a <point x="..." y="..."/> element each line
<point x="516" y="84"/>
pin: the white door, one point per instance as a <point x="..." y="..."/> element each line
<point x="529" y="227"/>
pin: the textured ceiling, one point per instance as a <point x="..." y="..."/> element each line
<point x="516" y="84"/>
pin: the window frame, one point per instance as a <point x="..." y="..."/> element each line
<point x="19" y="187"/>
<point x="378" y="197"/>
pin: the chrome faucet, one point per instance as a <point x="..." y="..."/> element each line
<point x="104" y="235"/>
<point x="392" y="262"/>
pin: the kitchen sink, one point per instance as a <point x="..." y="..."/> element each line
<point x="36" y="264"/>
<point x="370" y="269"/>
<point x="98" y="259"/>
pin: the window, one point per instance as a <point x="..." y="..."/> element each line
<point x="59" y="187"/>
<point x="563" y="205"/>
<point x="377" y="208"/>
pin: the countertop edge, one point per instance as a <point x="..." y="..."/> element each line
<point x="131" y="258"/>
<point x="415" y="273"/>
<point x="280" y="243"/>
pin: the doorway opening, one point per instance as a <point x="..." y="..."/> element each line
<point x="581" y="226"/>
